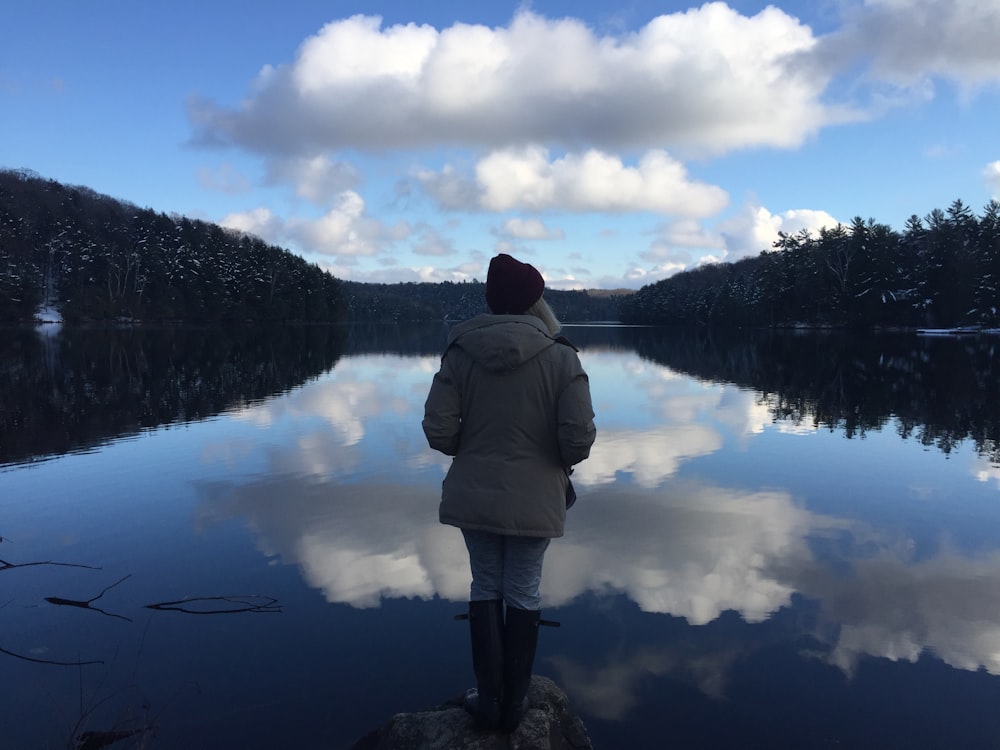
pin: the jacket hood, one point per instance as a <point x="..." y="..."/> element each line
<point x="501" y="343"/>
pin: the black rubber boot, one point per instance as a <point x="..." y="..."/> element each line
<point x="487" y="634"/>
<point x="520" y="641"/>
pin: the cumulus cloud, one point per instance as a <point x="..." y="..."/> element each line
<point x="260" y="221"/>
<point x="317" y="179"/>
<point x="992" y="175"/>
<point x="689" y="233"/>
<point x="541" y="115"/>
<point x="593" y="181"/>
<point x="357" y="543"/>
<point x="678" y="246"/>
<point x="684" y="244"/>
<point x="529" y="229"/>
<point x="986" y="471"/>
<point x="693" y="552"/>
<point x="755" y="228"/>
<point x="706" y="79"/>
<point x="530" y="179"/>
<point x="342" y="403"/>
<point x="612" y="689"/>
<point x="908" y="42"/>
<point x="884" y="606"/>
<point x="690" y="550"/>
<point x="637" y="275"/>
<point x="431" y="242"/>
<point x="898" y="608"/>
<point x="648" y="457"/>
<point x="688" y="422"/>
<point x="450" y="188"/>
<point x="346" y="230"/>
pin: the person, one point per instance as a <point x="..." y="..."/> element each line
<point x="511" y="403"/>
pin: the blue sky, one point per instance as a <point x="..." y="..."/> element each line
<point x="608" y="144"/>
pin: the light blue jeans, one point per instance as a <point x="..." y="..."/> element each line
<point x="506" y="567"/>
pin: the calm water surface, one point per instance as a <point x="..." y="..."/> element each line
<point x="781" y="541"/>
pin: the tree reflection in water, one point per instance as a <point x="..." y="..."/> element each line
<point x="79" y="388"/>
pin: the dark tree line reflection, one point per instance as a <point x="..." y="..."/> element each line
<point x="76" y="389"/>
<point x="405" y="338"/>
<point x="941" y="390"/>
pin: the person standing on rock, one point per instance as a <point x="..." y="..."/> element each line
<point x="511" y="403"/>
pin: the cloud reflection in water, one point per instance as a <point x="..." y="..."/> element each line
<point x="350" y="496"/>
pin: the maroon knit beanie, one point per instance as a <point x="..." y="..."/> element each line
<point x="512" y="286"/>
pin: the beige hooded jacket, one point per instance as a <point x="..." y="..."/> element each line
<point x="512" y="405"/>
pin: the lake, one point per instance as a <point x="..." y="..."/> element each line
<point x="782" y="539"/>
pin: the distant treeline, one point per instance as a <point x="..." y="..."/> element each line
<point x="96" y="258"/>
<point x="391" y="303"/>
<point x="941" y="271"/>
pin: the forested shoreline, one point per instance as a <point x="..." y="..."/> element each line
<point x="940" y="271"/>
<point x="93" y="258"/>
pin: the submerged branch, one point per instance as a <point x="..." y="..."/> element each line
<point x="4" y="565"/>
<point x="49" y="661"/>
<point x="263" y="604"/>
<point x="86" y="603"/>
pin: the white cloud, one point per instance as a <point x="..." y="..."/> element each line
<point x="530" y="179"/>
<point x="530" y="229"/>
<point x="648" y="456"/>
<point x="985" y="470"/>
<point x="898" y="608"/>
<point x="690" y="233"/>
<point x="261" y="222"/>
<point x="705" y="79"/>
<point x="343" y="401"/>
<point x="679" y="246"/>
<point x="317" y="179"/>
<point x="755" y="228"/>
<point x="611" y="690"/>
<point x="693" y="552"/>
<point x="346" y="230"/>
<point x="636" y="276"/>
<point x="356" y="50"/>
<point x="911" y="41"/>
<point x="593" y="181"/>
<point x="687" y="422"/>
<point x="450" y="188"/>
<point x="666" y="254"/>
<point x="431" y="242"/>
<point x="543" y="116"/>
<point x="992" y="175"/>
<point x="795" y="220"/>
<point x="357" y="543"/>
